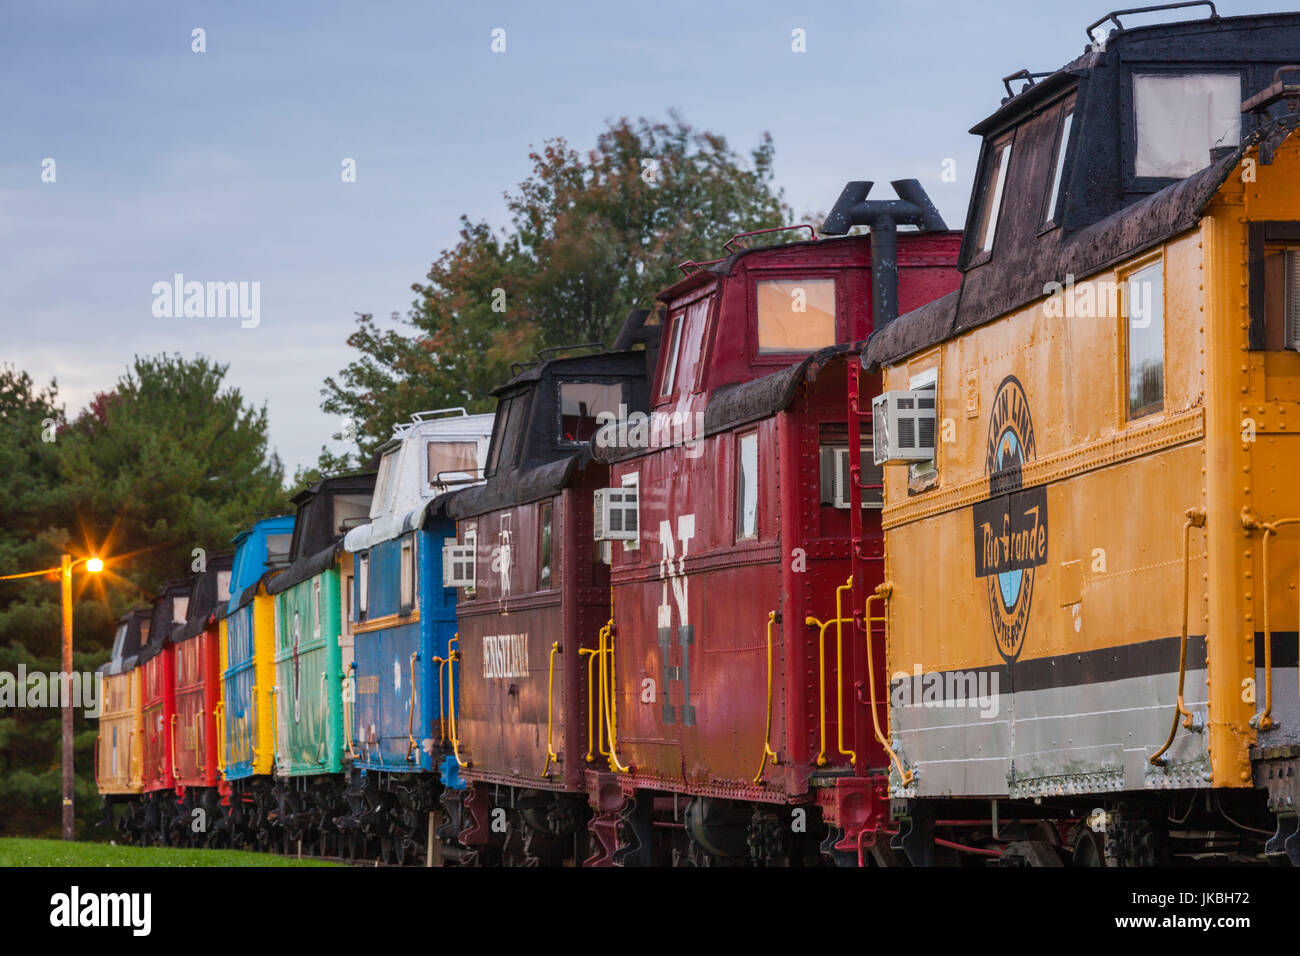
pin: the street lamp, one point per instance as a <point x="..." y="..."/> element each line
<point x="94" y="565"/>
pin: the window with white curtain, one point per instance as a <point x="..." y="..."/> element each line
<point x="1181" y="117"/>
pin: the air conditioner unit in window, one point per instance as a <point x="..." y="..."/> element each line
<point x="841" y="479"/>
<point x="458" y="566"/>
<point x="616" y="514"/>
<point x="903" y="426"/>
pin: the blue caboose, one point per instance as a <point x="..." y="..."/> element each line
<point x="247" y="644"/>
<point x="404" y="622"/>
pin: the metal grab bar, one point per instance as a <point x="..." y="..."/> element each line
<point x="882" y="593"/>
<point x="453" y="657"/>
<point x="591" y="703"/>
<point x="839" y="621"/>
<point x="1264" y="720"/>
<point x="219" y="715"/>
<point x="172" y="735"/>
<point x="349" y="684"/>
<point x="410" y="721"/>
<point x="275" y="728"/>
<point x="1195" y="519"/>
<point x="198" y="735"/>
<point x="99" y="742"/>
<point x="442" y="698"/>
<point x="767" y="736"/>
<point x="551" y="755"/>
<point x="252" y="737"/>
<point x="608" y="701"/>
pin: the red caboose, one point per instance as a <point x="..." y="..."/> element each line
<point x="158" y="707"/>
<point x="196" y="653"/>
<point x="738" y="682"/>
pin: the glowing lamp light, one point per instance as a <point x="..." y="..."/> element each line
<point x="94" y="565"/>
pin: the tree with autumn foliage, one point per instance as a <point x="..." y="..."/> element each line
<point x="591" y="237"/>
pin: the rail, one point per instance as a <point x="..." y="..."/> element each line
<point x="219" y="715"/>
<point x="175" y="717"/>
<point x="767" y="734"/>
<point x="812" y="233"/>
<point x="839" y="620"/>
<point x="1116" y="14"/>
<point x="275" y="728"/>
<point x="198" y="741"/>
<point x="608" y="700"/>
<point x="882" y="593"/>
<point x="99" y="742"/>
<point x="1195" y="519"/>
<point x="410" y="720"/>
<point x="1264" y="720"/>
<point x="452" y="657"/>
<point x="252" y="717"/>
<point x="551" y="755"/>
<point x="349" y="702"/>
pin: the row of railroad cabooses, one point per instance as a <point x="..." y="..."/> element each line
<point x="625" y="630"/>
<point x="663" y="656"/>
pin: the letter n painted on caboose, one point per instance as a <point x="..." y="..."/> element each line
<point x="671" y="572"/>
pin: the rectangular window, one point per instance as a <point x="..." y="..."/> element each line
<point x="347" y="599"/>
<point x="384" y="482"/>
<point x="223" y="586"/>
<point x="747" y="486"/>
<point x="836" y="476"/>
<point x="316" y="614"/>
<point x="991" y="202"/>
<point x="1179" y="119"/>
<point x="452" y="459"/>
<point x="1274" y="285"/>
<point x="1050" y="214"/>
<point x="350" y="511"/>
<point x="581" y="403"/>
<point x="503" y="435"/>
<point x="180" y="609"/>
<point x="795" y="315"/>
<point x="363" y="585"/>
<point x="1144" y="295"/>
<point x="408" y="573"/>
<point x="544" y="561"/>
<point x="674" y="346"/>
<point x="277" y="548"/>
<point x="471" y="542"/>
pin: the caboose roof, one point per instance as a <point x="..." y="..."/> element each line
<point x="1105" y="212"/>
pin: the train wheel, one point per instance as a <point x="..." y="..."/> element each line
<point x="1089" y="849"/>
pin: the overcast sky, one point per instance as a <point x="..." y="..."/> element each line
<point x="225" y="165"/>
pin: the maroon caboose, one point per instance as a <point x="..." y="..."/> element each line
<point x="743" y="536"/>
<point x="530" y="613"/>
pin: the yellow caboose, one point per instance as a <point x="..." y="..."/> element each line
<point x="1091" y="531"/>
<point x="117" y="747"/>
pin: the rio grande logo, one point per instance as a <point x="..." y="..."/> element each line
<point x="1011" y="526"/>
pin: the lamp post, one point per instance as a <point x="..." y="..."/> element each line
<point x="94" y="565"/>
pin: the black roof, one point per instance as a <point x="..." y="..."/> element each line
<point x="1106" y="213"/>
<point x="161" y="623"/>
<point x="537" y="465"/>
<point x="317" y="539"/>
<point x="204" y="599"/>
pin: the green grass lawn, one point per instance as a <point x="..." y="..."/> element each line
<point x="15" y="852"/>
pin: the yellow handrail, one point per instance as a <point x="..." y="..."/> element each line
<point x="608" y="701"/>
<point x="882" y="594"/>
<point x="839" y="671"/>
<point x="451" y="702"/>
<point x="219" y="714"/>
<point x="175" y="717"/>
<point x="252" y="741"/>
<point x="410" y="721"/>
<point x="350" y="684"/>
<point x="275" y="729"/>
<point x="767" y="736"/>
<point x="198" y="722"/>
<point x="442" y="697"/>
<point x="591" y="703"/>
<point x="1195" y="519"/>
<point x="551" y="755"/>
